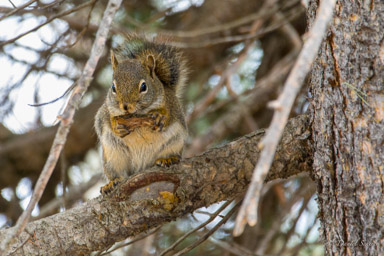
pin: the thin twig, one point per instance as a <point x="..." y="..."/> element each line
<point x="16" y="9"/>
<point x="210" y="232"/>
<point x="131" y="241"/>
<point x="66" y="120"/>
<point x="46" y="71"/>
<point x="238" y="38"/>
<point x="49" y="5"/>
<point x="211" y="218"/>
<point x="75" y="192"/>
<point x="78" y="37"/>
<point x="260" y="14"/>
<point x="291" y="231"/>
<point x="82" y="32"/>
<point x="14" y="6"/>
<point x="283" y="105"/>
<point x="261" y="92"/>
<point x="64" y="13"/>
<point x="230" y="70"/>
<point x="295" y="250"/>
<point x="304" y="192"/>
<point x="223" y="27"/>
<point x="233" y="248"/>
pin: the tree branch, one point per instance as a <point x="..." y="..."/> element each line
<point x="66" y="120"/>
<point x="283" y="106"/>
<point x="219" y="174"/>
<point x="49" y="20"/>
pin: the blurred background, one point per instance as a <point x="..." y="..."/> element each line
<point x="239" y="53"/>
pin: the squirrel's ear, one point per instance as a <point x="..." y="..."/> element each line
<point x="113" y="60"/>
<point x="151" y="64"/>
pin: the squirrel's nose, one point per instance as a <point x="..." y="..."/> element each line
<point x="129" y="108"/>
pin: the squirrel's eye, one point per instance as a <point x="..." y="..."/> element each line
<point x="113" y="88"/>
<point x="143" y="87"/>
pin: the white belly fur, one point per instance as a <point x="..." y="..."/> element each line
<point x="145" y="148"/>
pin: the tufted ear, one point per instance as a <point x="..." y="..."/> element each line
<point x="113" y="60"/>
<point x="151" y="64"/>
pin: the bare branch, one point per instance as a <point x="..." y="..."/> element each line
<point x="207" y="100"/>
<point x="233" y="248"/>
<point x="248" y="211"/>
<point x="261" y="14"/>
<point x="211" y="218"/>
<point x="16" y="9"/>
<point x="210" y="232"/>
<point x="239" y="38"/>
<point x="49" y="20"/>
<point x="256" y="99"/>
<point x="305" y="193"/>
<point x="75" y="192"/>
<point x="131" y="241"/>
<point x="14" y="6"/>
<point x="66" y="120"/>
<point x="85" y="28"/>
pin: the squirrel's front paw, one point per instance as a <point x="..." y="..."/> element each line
<point x="124" y="125"/>
<point x="159" y="121"/>
<point x="122" y="130"/>
<point x="104" y="190"/>
<point x="166" y="162"/>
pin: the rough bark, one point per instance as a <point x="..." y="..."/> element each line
<point x="219" y="174"/>
<point x="348" y="131"/>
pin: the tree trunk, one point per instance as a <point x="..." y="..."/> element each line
<point x="348" y="128"/>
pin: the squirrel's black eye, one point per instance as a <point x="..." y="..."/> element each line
<point x="113" y="88"/>
<point x="143" y="87"/>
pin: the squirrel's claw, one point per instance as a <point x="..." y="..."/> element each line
<point x="166" y="162"/>
<point x="104" y="190"/>
<point x="122" y="130"/>
<point x="159" y="121"/>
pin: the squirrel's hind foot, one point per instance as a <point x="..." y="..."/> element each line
<point x="166" y="162"/>
<point x="104" y="190"/>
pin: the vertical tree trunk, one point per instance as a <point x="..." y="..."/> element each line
<point x="347" y="87"/>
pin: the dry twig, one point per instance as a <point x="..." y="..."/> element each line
<point x="49" y="20"/>
<point x="15" y="10"/>
<point x="282" y="106"/>
<point x="263" y="90"/>
<point x="118" y="246"/>
<point x="238" y="38"/>
<point x="75" y="193"/>
<point x="66" y="119"/>
<point x="211" y="218"/>
<point x="304" y="193"/>
<point x="230" y="70"/>
<point x="210" y="232"/>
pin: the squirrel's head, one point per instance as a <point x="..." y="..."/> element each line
<point x="135" y="87"/>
